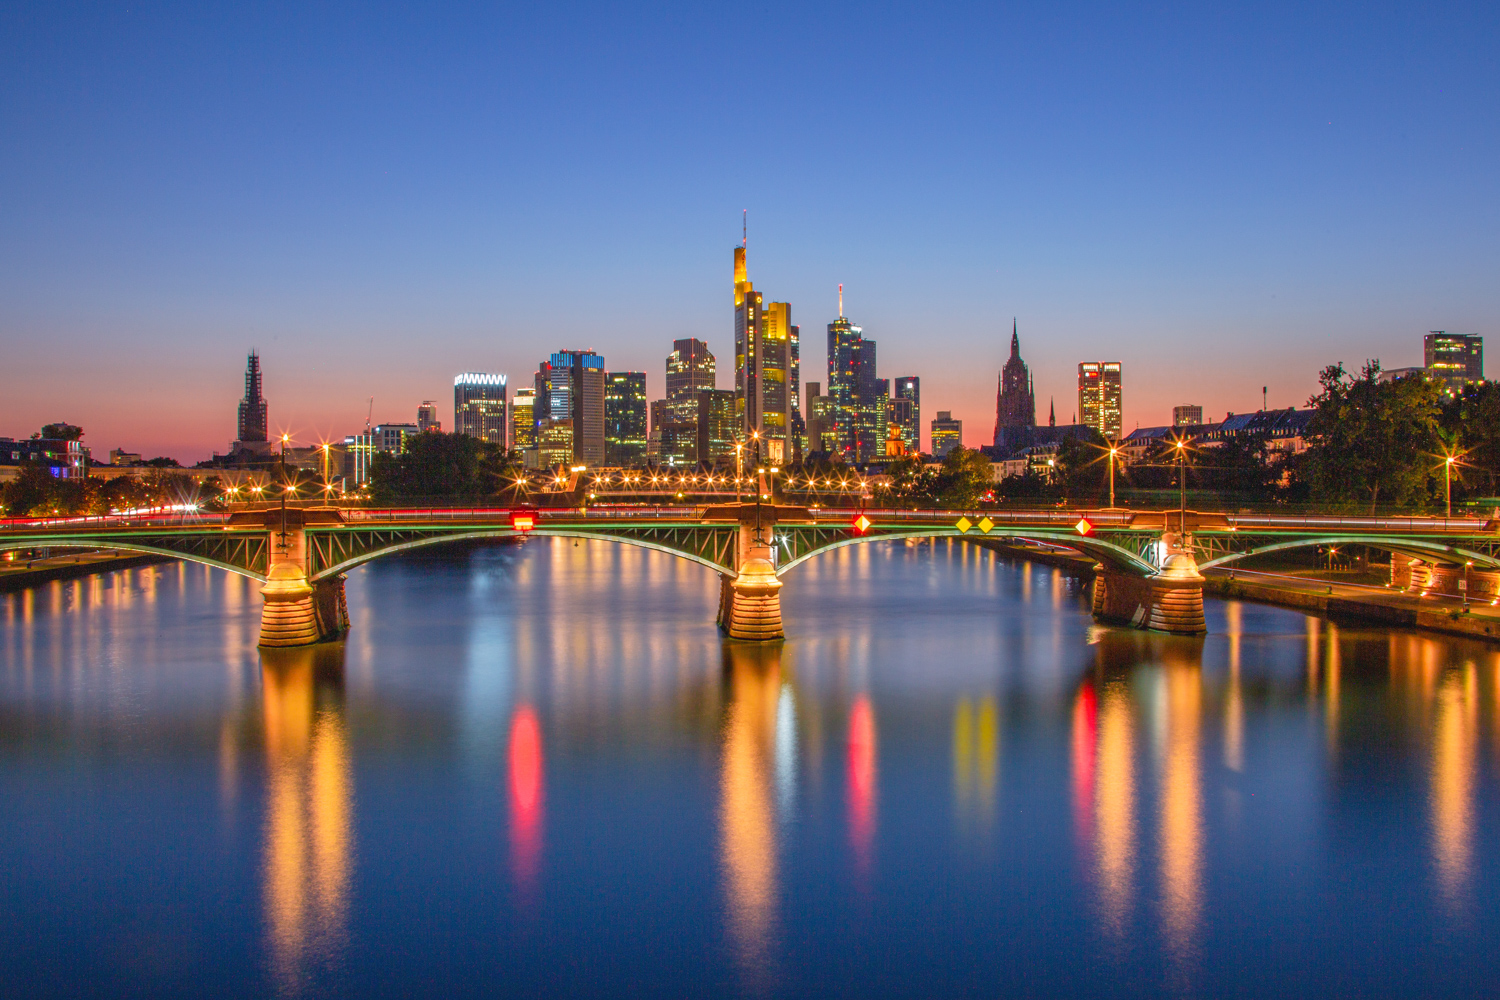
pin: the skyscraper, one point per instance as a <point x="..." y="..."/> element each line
<point x="427" y="418"/>
<point x="1015" y="402"/>
<point x="762" y="366"/>
<point x="690" y="369"/>
<point x="523" y="420"/>
<point x="858" y="404"/>
<point x="479" y="406"/>
<point x="252" y="422"/>
<point x="909" y="387"/>
<point x="570" y="386"/>
<point x="1099" y="397"/>
<point x="799" y="426"/>
<point x="625" y="419"/>
<point x="1456" y="358"/>
<point x="947" y="433"/>
<point x="715" y="425"/>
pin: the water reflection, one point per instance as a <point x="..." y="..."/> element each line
<point x="526" y="787"/>
<point x="308" y="847"/>
<point x="1181" y="830"/>
<point x="1455" y="744"/>
<point x="976" y="762"/>
<point x="747" y="810"/>
<point x="862" y="775"/>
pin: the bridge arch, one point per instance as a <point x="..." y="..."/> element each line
<point x="417" y="543"/>
<point x="1111" y="555"/>
<point x="1410" y="547"/>
<point x="128" y="546"/>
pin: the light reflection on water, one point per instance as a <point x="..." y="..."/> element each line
<point x="549" y="759"/>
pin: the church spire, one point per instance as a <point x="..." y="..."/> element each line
<point x="1052" y="413"/>
<point x="1015" y="341"/>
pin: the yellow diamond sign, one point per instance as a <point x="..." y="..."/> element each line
<point x="963" y="525"/>
<point x="985" y="524"/>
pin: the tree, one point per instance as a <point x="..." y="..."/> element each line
<point x="908" y="482"/>
<point x="452" y="466"/>
<point x="1371" y="441"/>
<point x="964" y="477"/>
<point x="62" y="432"/>
<point x="1081" y="465"/>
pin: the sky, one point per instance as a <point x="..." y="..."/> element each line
<point x="378" y="197"/>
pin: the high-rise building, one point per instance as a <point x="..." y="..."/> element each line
<point x="715" y="426"/>
<point x="799" y="426"/>
<point x="947" y="433"/>
<point x="817" y="414"/>
<point x="900" y="414"/>
<point x="570" y="386"/>
<point x="858" y="397"/>
<point x="1187" y="416"/>
<point x="625" y="419"/>
<point x="391" y="438"/>
<point x="479" y="406"/>
<point x="554" y="443"/>
<point x="1015" y="402"/>
<point x="909" y="387"/>
<point x="690" y="369"/>
<point x="359" y="451"/>
<point x="762" y="367"/>
<point x="1456" y="358"/>
<point x="427" y="418"/>
<point x="523" y="420"/>
<point x="1099" y="397"/>
<point x="252" y="422"/>
<point x="872" y="395"/>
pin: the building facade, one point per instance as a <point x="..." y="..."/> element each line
<point x="691" y="368"/>
<point x="523" y="419"/>
<point x="1015" y="400"/>
<point x="427" y="418"/>
<point x="1187" y="416"/>
<point x="947" y="433"/>
<point x="762" y="367"/>
<point x="1456" y="358"/>
<point x="715" y="425"/>
<point x="625" y="419"/>
<point x="909" y="387"/>
<point x="858" y="397"/>
<point x="1099" y="397"/>
<point x="479" y="407"/>
<point x="570" y="386"/>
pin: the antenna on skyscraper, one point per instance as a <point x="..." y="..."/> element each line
<point x="744" y="228"/>
<point x="841" y="300"/>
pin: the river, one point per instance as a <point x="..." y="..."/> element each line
<point x="538" y="770"/>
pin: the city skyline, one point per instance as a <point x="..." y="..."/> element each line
<point x="1271" y="202"/>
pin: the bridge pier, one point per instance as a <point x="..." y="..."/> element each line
<point x="294" y="610"/>
<point x="1171" y="601"/>
<point x="750" y="601"/>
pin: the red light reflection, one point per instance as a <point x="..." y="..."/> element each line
<point x="525" y="795"/>
<point x="862" y="780"/>
<point x="1085" y="726"/>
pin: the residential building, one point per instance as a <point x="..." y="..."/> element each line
<point x="1099" y="397"/>
<point x="1015" y="400"/>
<point x="1186" y="416"/>
<point x="63" y="458"/>
<point x="479" y="407"/>
<point x="523" y="419"/>
<point x="427" y="418"/>
<point x="909" y="387"/>
<point x="625" y="419"/>
<point x="947" y="433"/>
<point x="570" y="386"/>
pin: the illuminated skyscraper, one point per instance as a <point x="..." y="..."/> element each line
<point x="523" y="420"/>
<point x="840" y="428"/>
<point x="1456" y="358"/>
<point x="427" y="418"/>
<point x="947" y="433"/>
<point x="762" y="367"/>
<point x="570" y="386"/>
<point x="252" y="422"/>
<point x="479" y="406"/>
<point x="690" y="369"/>
<point x="909" y="387"/>
<point x="1099" y="397"/>
<point x="715" y="425"/>
<point x="625" y="419"/>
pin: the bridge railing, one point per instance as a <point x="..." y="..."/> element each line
<point x="96" y="521"/>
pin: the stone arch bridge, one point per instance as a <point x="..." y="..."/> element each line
<point x="1148" y="575"/>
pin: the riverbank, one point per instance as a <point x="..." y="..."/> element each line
<point x="23" y="573"/>
<point x="1363" y="602"/>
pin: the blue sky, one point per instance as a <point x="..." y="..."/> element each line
<point x="380" y="196"/>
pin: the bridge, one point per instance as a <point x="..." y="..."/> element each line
<point x="1149" y="563"/>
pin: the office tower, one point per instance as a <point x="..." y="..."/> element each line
<point x="858" y="399"/>
<point x="359" y="451"/>
<point x="817" y="414"/>
<point x="427" y="419"/>
<point x="625" y="419"/>
<point x="1187" y="416"/>
<point x="900" y="415"/>
<point x="947" y="433"/>
<point x="909" y="387"/>
<point x="1456" y="358"/>
<point x="554" y="443"/>
<point x="715" y="425"/>
<point x="1099" y="397"/>
<point x="479" y="406"/>
<point x="523" y="420"/>
<point x="799" y="426"/>
<point x="570" y="386"/>
<point x="252" y="422"/>
<point x="690" y="369"/>
<point x="762" y="367"/>
<point x="869" y="403"/>
<point x="1015" y="402"/>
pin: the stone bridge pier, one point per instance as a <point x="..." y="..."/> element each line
<point x="750" y="600"/>
<point x="296" y="611"/>
<point x="1171" y="601"/>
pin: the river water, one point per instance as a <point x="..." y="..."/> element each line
<point x="539" y="770"/>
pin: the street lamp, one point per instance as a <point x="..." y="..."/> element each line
<point x="283" y="492"/>
<point x="1113" y="451"/>
<point x="1448" y="485"/>
<point x="1182" y="484"/>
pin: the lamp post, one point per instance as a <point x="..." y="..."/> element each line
<point x="325" y="470"/>
<point x="1113" y="451"/>
<point x="1448" y="485"/>
<point x="1182" y="486"/>
<point x="739" y="467"/>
